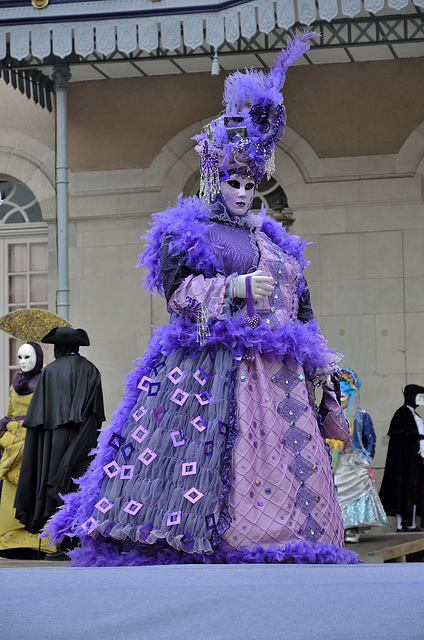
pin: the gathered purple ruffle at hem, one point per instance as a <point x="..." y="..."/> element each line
<point x="98" y="553"/>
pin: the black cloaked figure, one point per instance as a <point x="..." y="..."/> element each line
<point x="63" y="422"/>
<point x="402" y="488"/>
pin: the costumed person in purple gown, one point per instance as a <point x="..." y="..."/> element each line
<point x="62" y="424"/>
<point x="351" y="462"/>
<point x="402" y="488"/>
<point x="15" y="541"/>
<point x="215" y="453"/>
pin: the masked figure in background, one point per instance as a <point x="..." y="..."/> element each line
<point x="15" y="541"/>
<point x="357" y="495"/>
<point x="63" y="422"/>
<point x="402" y="489"/>
<point x="215" y="454"/>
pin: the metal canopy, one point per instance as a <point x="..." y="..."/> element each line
<point x="130" y="38"/>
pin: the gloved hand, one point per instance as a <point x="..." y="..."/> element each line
<point x="261" y="286"/>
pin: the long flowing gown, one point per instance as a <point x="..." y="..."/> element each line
<point x="215" y="453"/>
<point x="13" y="535"/>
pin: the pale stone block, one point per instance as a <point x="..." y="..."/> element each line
<point x="321" y="194"/>
<point x="317" y="221"/>
<point x="177" y="176"/>
<point x="359" y="256"/>
<point x="287" y="172"/>
<point x="4" y="159"/>
<point x="314" y="290"/>
<point x="41" y="184"/>
<point x="326" y="298"/>
<point x="414" y="294"/>
<point x="48" y="209"/>
<point x="160" y="314"/>
<point x="354" y="336"/>
<point x="414" y="343"/>
<point x="111" y="261"/>
<point x="385" y="218"/>
<point x="410" y="153"/>
<point x="109" y="237"/>
<point x="359" y="166"/>
<point x="160" y="167"/>
<point x="304" y="155"/>
<point x="312" y="255"/>
<point x="9" y="138"/>
<point x="382" y="295"/>
<point x="89" y="206"/>
<point x="40" y="153"/>
<point x="118" y="180"/>
<point x="390" y="343"/>
<point x="390" y="190"/>
<point x="76" y="267"/>
<point x="414" y="253"/>
<point x="20" y="169"/>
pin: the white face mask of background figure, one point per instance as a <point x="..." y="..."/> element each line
<point x="27" y="358"/>
<point x="344" y="400"/>
<point x="419" y="400"/>
<point x="237" y="194"/>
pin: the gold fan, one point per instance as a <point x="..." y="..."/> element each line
<point x="31" y="324"/>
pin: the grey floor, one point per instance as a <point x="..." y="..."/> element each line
<point x="221" y="602"/>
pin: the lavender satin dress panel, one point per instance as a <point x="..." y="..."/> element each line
<point x="165" y="479"/>
<point x="282" y="484"/>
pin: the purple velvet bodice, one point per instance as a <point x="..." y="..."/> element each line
<point x="234" y="247"/>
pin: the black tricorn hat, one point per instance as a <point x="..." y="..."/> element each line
<point x="67" y="336"/>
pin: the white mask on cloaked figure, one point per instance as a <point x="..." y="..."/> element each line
<point x="419" y="400"/>
<point x="27" y="358"/>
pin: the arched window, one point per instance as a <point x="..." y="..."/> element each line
<point x="24" y="272"/>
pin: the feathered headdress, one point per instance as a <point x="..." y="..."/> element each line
<point x="242" y="140"/>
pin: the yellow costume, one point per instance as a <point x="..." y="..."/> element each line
<point x="12" y="533"/>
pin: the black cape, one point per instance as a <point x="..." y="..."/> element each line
<point x="403" y="481"/>
<point x="63" y="420"/>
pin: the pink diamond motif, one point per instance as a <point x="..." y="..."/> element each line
<point x="199" y="423"/>
<point x="147" y="456"/>
<point x="145" y="383"/>
<point x="203" y="398"/>
<point x="133" y="507"/>
<point x="193" y="495"/>
<point x="183" y="397"/>
<point x="189" y="468"/>
<point x="178" y="438"/>
<point x="127" y="472"/>
<point x="104" y="505"/>
<point x="201" y="377"/>
<point x="112" y="469"/>
<point x="174" y="517"/>
<point x="140" y="433"/>
<point x="137" y="415"/>
<point x="176" y="375"/>
<point x="89" y="525"/>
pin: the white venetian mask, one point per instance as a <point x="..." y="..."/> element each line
<point x="27" y="358"/>
<point x="237" y="194"/>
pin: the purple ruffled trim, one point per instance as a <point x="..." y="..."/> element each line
<point x="224" y="519"/>
<point x="185" y="223"/>
<point x="98" y="553"/>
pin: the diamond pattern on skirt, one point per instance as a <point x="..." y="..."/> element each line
<point x="269" y="494"/>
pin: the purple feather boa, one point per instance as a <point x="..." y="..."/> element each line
<point x="185" y="223"/>
<point x="97" y="553"/>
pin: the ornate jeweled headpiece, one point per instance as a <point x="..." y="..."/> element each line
<point x="242" y="140"/>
